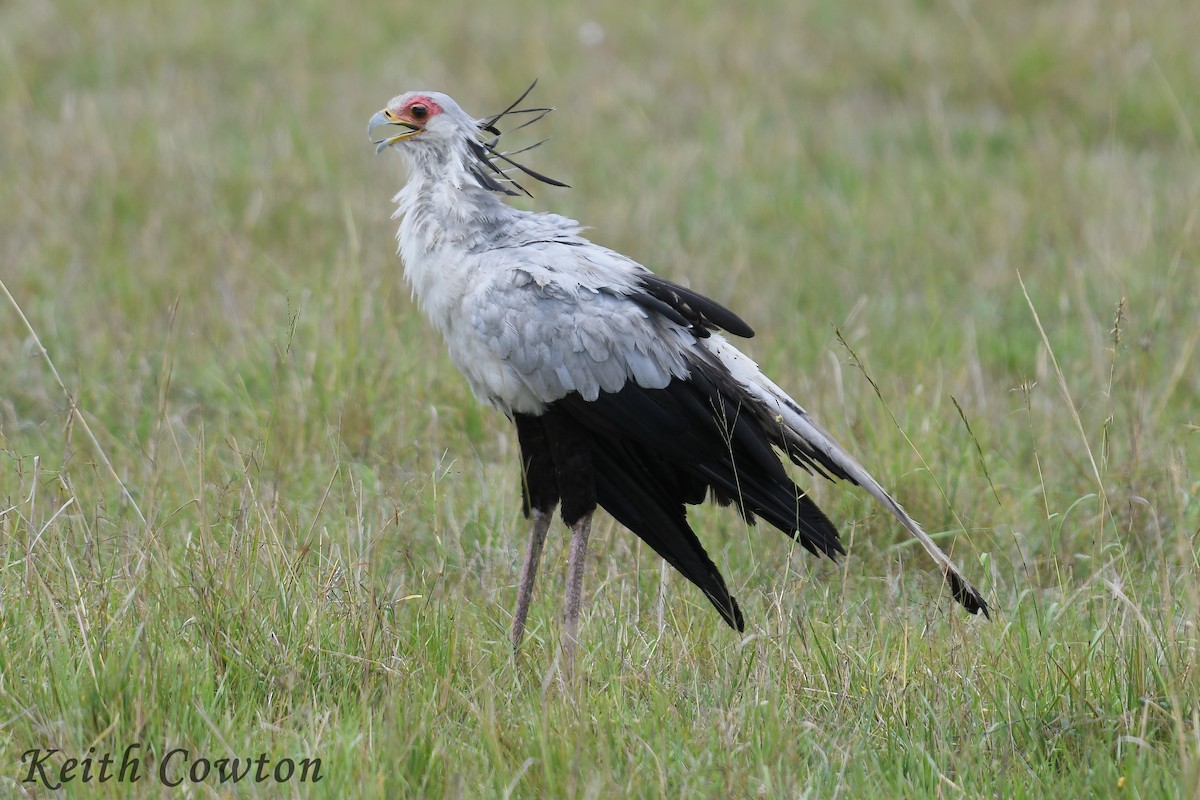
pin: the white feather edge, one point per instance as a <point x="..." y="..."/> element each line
<point x="743" y="369"/>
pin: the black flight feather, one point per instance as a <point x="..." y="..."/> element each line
<point x="700" y="428"/>
<point x="700" y="312"/>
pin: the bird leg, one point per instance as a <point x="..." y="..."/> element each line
<point x="571" y="449"/>
<point x="537" y="538"/>
<point x="539" y="485"/>
<point x="580" y="531"/>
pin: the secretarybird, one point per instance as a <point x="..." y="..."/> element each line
<point x="623" y="392"/>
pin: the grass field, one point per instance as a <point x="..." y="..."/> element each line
<point x="262" y="514"/>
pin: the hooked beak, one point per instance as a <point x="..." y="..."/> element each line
<point x="385" y="117"/>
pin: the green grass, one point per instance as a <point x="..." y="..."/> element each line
<point x="266" y="515"/>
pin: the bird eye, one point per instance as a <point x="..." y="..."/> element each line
<point x="419" y="111"/>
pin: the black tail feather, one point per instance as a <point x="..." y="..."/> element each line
<point x="637" y="495"/>
<point x="967" y="595"/>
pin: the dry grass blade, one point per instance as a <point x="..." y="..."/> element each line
<point x="978" y="449"/>
<point x="74" y="408"/>
<point x="1070" y="401"/>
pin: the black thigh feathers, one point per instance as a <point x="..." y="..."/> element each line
<point x="648" y="453"/>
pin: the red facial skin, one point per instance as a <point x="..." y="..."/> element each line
<point x="418" y="111"/>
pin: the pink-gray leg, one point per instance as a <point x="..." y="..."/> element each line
<point x="575" y="561"/>
<point x="533" y="555"/>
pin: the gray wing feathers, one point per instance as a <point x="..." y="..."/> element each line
<point x="560" y="335"/>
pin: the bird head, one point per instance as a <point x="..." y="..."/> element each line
<point x="436" y="134"/>
<point x="427" y="120"/>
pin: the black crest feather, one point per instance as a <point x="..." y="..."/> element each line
<point x="494" y="166"/>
